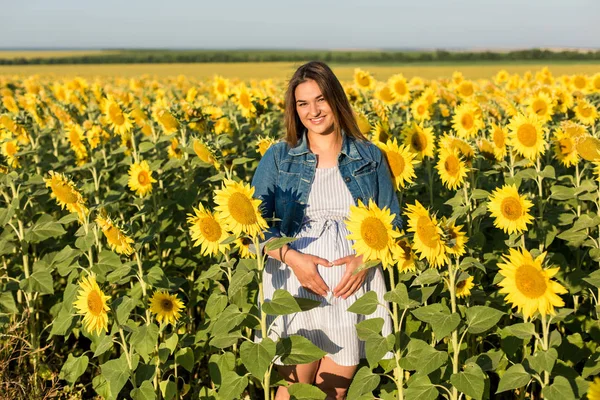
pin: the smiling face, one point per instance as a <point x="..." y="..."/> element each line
<point x="312" y="108"/>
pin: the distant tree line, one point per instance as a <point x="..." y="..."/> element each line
<point x="225" y="56"/>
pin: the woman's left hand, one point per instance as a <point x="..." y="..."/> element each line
<point x="350" y="283"/>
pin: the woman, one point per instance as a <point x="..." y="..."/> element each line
<point x="309" y="183"/>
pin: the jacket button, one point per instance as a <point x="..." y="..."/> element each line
<point x="347" y="179"/>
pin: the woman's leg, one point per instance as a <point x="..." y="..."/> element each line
<point x="334" y="379"/>
<point x="301" y="373"/>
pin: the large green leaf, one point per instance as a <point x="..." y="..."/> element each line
<point x="366" y="304"/>
<point x="7" y="303"/>
<point x="543" y="360"/>
<point x="377" y="346"/>
<point x="124" y="305"/>
<point x="106" y="343"/>
<point x="234" y="386"/>
<point x="240" y="279"/>
<point x="44" y="228"/>
<point x="369" y="327"/>
<point x="168" y="389"/>
<point x="73" y="368"/>
<point x="522" y="330"/>
<point x="278" y="243"/>
<point x="283" y="303"/>
<point x="40" y="281"/>
<point x="364" y="382"/>
<point x="420" y="387"/>
<point x="257" y="357"/>
<point x="440" y="319"/>
<point x="559" y="390"/>
<point x="400" y="296"/>
<point x="297" y="349"/>
<point x="185" y="358"/>
<point x="229" y="319"/>
<point x="62" y="324"/>
<point x="304" y="391"/>
<point x="116" y="373"/>
<point x="471" y="381"/>
<point x="482" y="318"/>
<point x="144" y="392"/>
<point x="144" y="340"/>
<point x="514" y="377"/>
<point x="421" y="357"/>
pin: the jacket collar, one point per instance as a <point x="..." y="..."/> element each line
<point x="348" y="146"/>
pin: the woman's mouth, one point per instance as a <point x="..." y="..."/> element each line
<point x="317" y="121"/>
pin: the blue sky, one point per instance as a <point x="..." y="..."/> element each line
<point x="308" y="24"/>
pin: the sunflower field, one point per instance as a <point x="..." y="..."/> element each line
<point x="129" y="223"/>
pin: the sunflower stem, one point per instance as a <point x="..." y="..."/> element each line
<point x="468" y="204"/>
<point x="263" y="316"/>
<point x="125" y="349"/>
<point x="545" y="329"/>
<point x="539" y="180"/>
<point x="430" y="181"/>
<point x="455" y="345"/>
<point x="140" y="277"/>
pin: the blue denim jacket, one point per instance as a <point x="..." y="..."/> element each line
<point x="284" y="177"/>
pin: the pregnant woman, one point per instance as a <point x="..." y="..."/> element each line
<point x="308" y="182"/>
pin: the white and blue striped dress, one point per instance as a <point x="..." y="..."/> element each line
<point x="330" y="326"/>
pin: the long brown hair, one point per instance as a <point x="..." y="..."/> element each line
<point x="334" y="94"/>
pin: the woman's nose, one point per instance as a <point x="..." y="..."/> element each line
<point x="314" y="109"/>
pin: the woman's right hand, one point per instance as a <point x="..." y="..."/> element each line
<point x="305" y="268"/>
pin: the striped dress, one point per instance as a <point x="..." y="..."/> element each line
<point x="329" y="326"/>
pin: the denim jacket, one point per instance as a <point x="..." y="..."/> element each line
<point x="284" y="177"/>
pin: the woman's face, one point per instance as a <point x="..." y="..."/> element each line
<point x="313" y="109"/>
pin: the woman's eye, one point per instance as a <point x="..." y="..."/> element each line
<point x="321" y="99"/>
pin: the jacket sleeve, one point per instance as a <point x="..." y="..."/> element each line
<point x="387" y="196"/>
<point x="264" y="182"/>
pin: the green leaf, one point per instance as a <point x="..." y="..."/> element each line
<point x="234" y="387"/>
<point x="240" y="280"/>
<point x="168" y="389"/>
<point x="185" y="358"/>
<point x="559" y="390"/>
<point x="377" y="346"/>
<point x="279" y="243"/>
<point x="257" y="357"/>
<point x="297" y="349"/>
<point x="428" y="277"/>
<point x="144" y="340"/>
<point x="106" y="343"/>
<point x="364" y="382"/>
<point x="218" y="364"/>
<point x="225" y="340"/>
<point x="421" y="357"/>
<point x="40" y="281"/>
<point x="283" y="303"/>
<point x="487" y="361"/>
<point x="443" y="324"/>
<point x="365" y="305"/>
<point x="170" y="342"/>
<point x="44" y="228"/>
<point x="144" y="392"/>
<point x="215" y="304"/>
<point x="592" y="366"/>
<point x="116" y="373"/>
<point x="62" y="323"/>
<point x="543" y="360"/>
<point x="7" y="303"/>
<point x="124" y="305"/>
<point x="514" y="377"/>
<point x="522" y="330"/>
<point x="369" y="327"/>
<point x="73" y="368"/>
<point x="304" y="391"/>
<point x="482" y="318"/>
<point x="471" y="381"/>
<point x="593" y="278"/>
<point x="229" y="319"/>
<point x="420" y="387"/>
<point x="400" y="296"/>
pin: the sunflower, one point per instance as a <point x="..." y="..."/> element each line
<point x="116" y="238"/>
<point x="564" y="148"/>
<point x="238" y="209"/>
<point x="363" y="123"/>
<point x="220" y="88"/>
<point x="466" y="121"/>
<point x="91" y="302"/>
<point x="463" y="288"/>
<point x="427" y="234"/>
<point x="404" y="256"/>
<point x="381" y="132"/>
<point x="263" y="144"/>
<point x="465" y="89"/>
<point x="486" y="149"/>
<point x="222" y="125"/>
<point x="420" y="109"/>
<point x="580" y="83"/>
<point x="401" y="161"/>
<point x="244" y="99"/>
<point x="541" y="105"/>
<point x="451" y="168"/>
<point x="593" y="392"/>
<point x="166" y="120"/>
<point x="527" y="136"/>
<point x="120" y="121"/>
<point x="206" y="230"/>
<point x="140" y="178"/>
<point x="399" y="87"/>
<point x="9" y="149"/>
<point x="419" y="139"/>
<point x="586" y="112"/>
<point x="243" y="246"/>
<point x="510" y="210"/>
<point x="464" y="149"/>
<point x="167" y="307"/>
<point x="499" y="136"/>
<point x="527" y="285"/>
<point x="501" y="77"/>
<point x="205" y="153"/>
<point x="76" y="137"/>
<point x="595" y="84"/>
<point x="372" y="231"/>
<point x="174" y="151"/>
<point x="588" y="147"/>
<point x="455" y="238"/>
<point x="66" y="194"/>
<point x="363" y="79"/>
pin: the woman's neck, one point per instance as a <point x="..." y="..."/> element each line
<point x="326" y="148"/>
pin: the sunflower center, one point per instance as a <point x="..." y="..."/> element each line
<point x="210" y="228"/>
<point x="94" y="303"/>
<point x="397" y="163"/>
<point x="64" y="193"/>
<point x="527" y="135"/>
<point x="539" y="107"/>
<point x="401" y="88"/>
<point x="419" y="141"/>
<point x="466" y="89"/>
<point x="566" y="146"/>
<point x="241" y="209"/>
<point x="511" y="208"/>
<point x="143" y="178"/>
<point x="427" y="232"/>
<point x="116" y="115"/>
<point x="221" y="87"/>
<point x="374" y="233"/>
<point x="364" y="81"/>
<point x="467" y="121"/>
<point x="579" y="82"/>
<point x="421" y="109"/>
<point x="585" y="111"/>
<point x="460" y="285"/>
<point x="452" y="165"/>
<point x="166" y="305"/>
<point x="530" y="281"/>
<point x="245" y="100"/>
